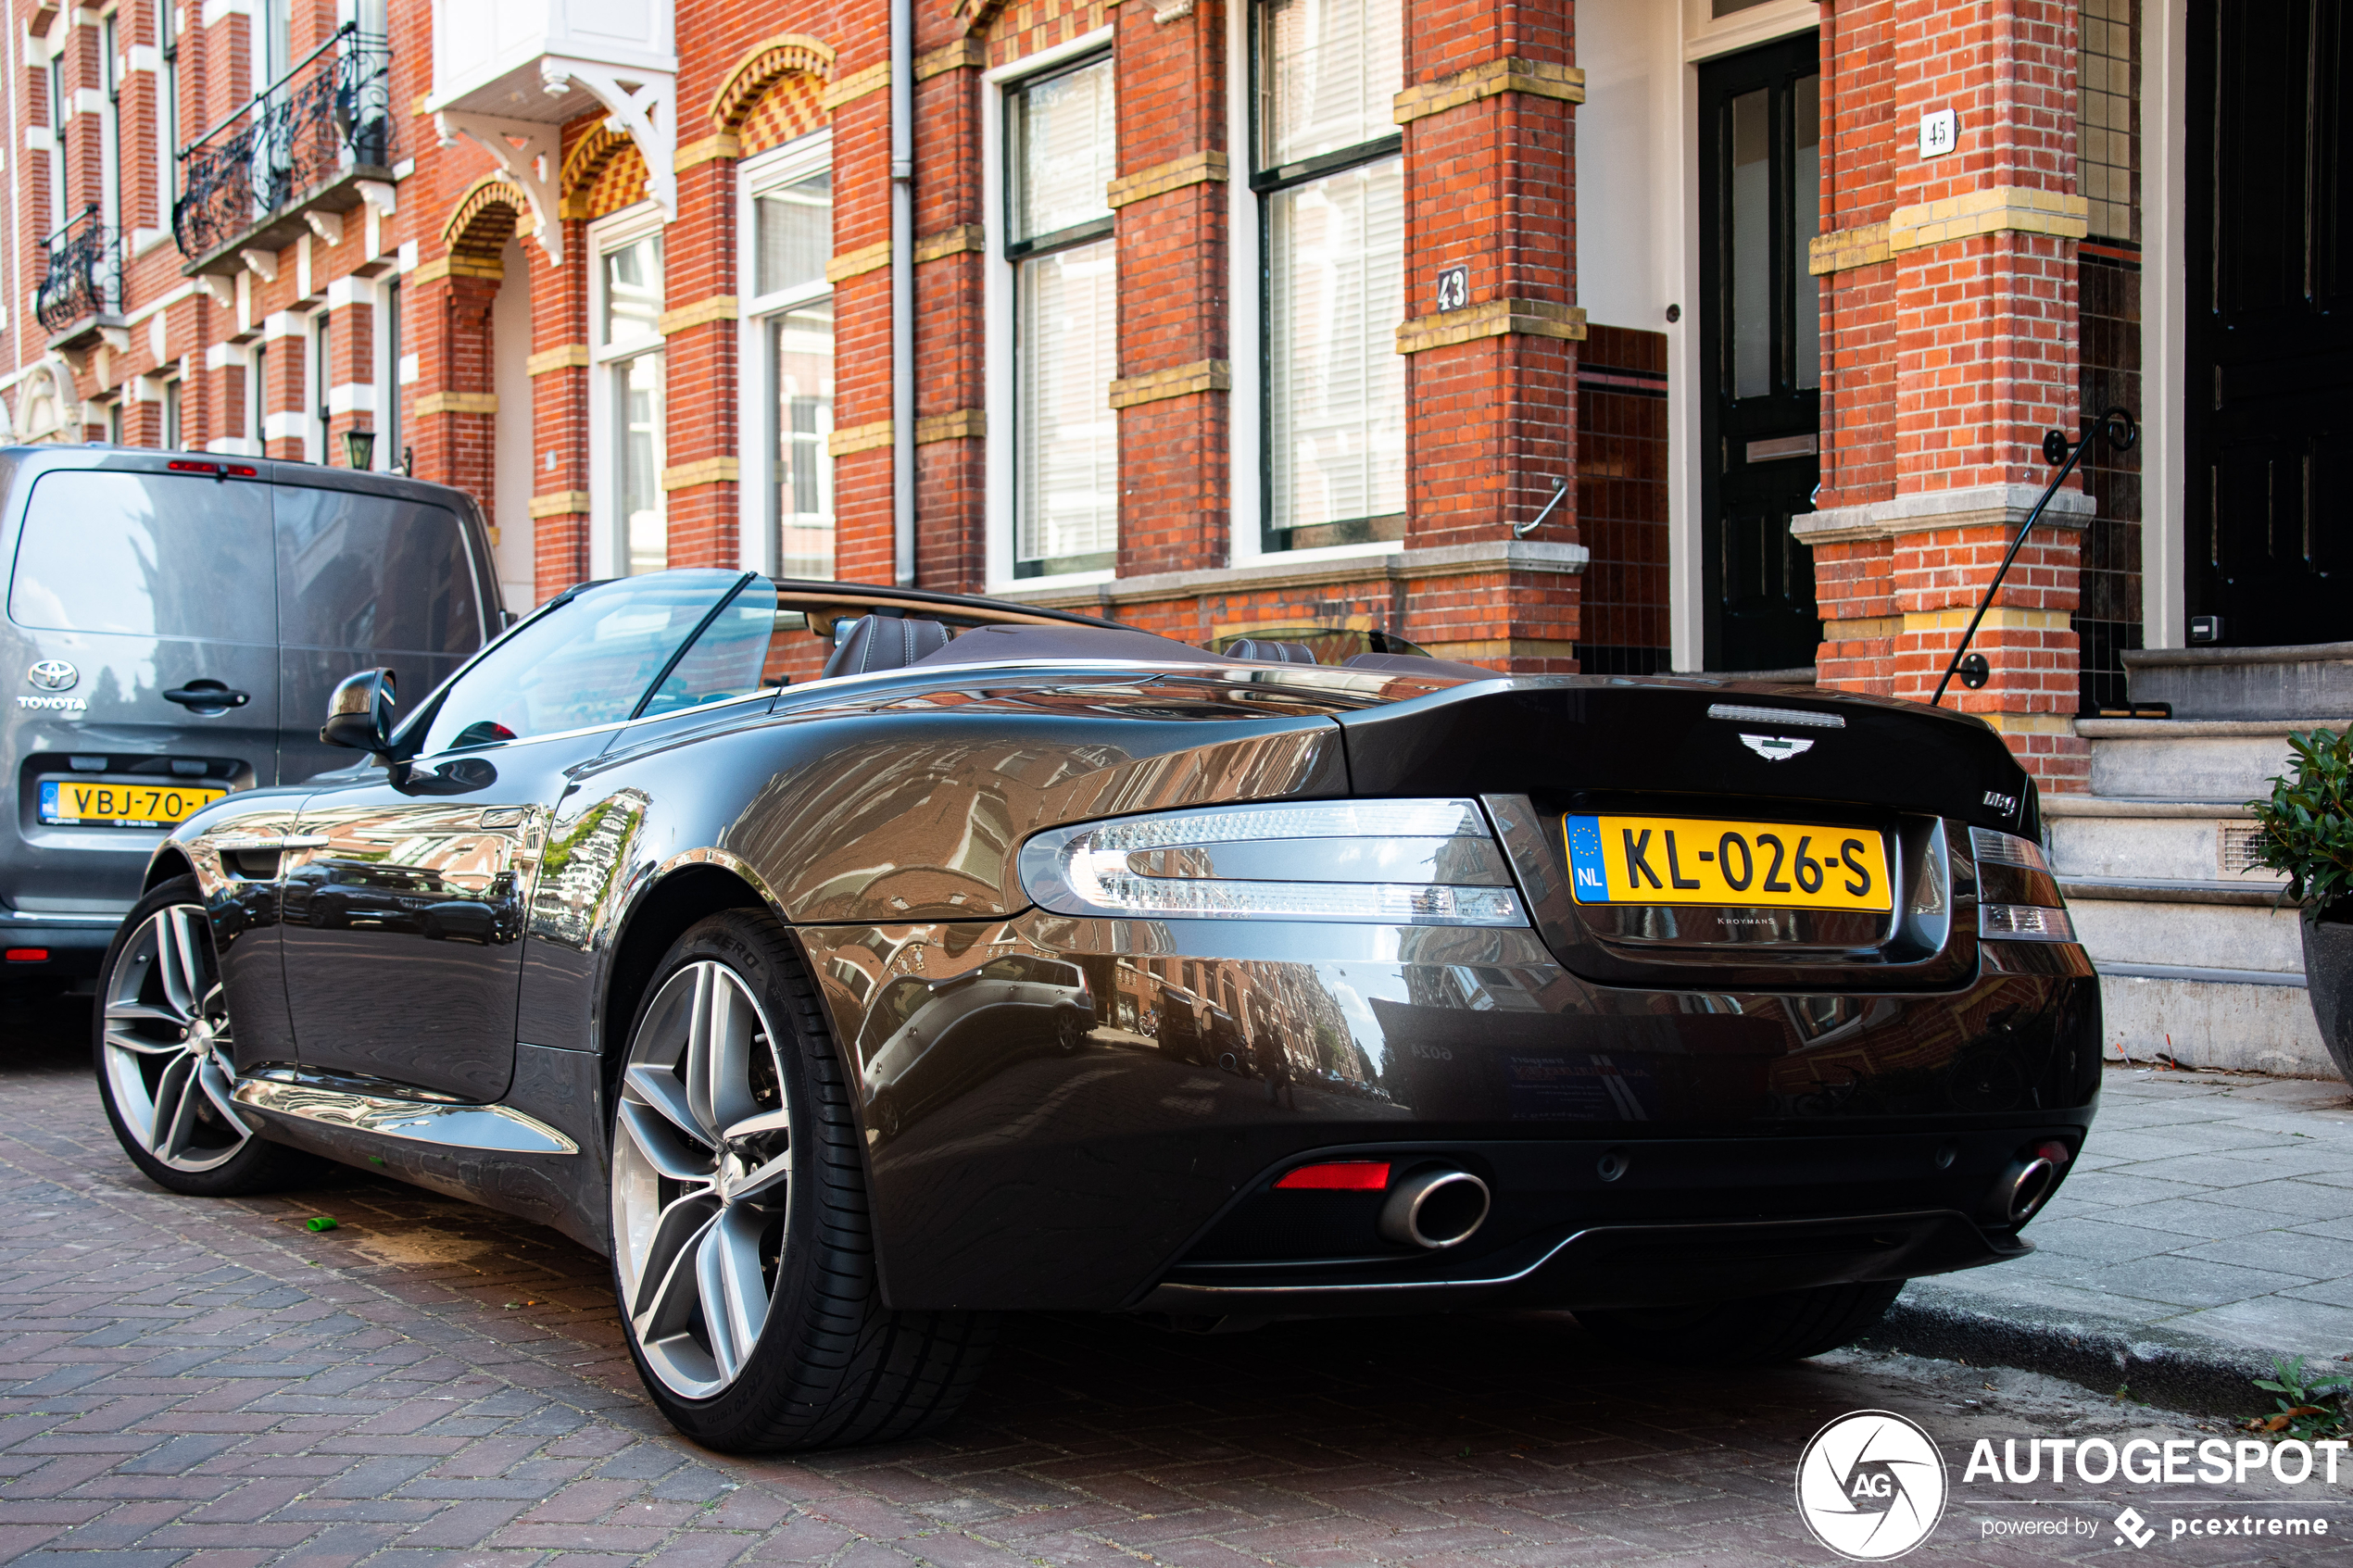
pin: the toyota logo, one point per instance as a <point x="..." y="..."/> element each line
<point x="54" y="675"/>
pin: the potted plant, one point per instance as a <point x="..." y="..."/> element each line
<point x="2305" y="830"/>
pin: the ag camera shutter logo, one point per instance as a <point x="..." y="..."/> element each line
<point x="1870" y="1485"/>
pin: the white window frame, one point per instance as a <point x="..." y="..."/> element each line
<point x="997" y="302"/>
<point x="167" y="90"/>
<point x="317" y="360"/>
<point x="756" y="547"/>
<point x="110" y="121"/>
<point x="1247" y="490"/>
<point x="608" y="550"/>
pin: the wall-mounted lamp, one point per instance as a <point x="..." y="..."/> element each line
<point x="360" y="449"/>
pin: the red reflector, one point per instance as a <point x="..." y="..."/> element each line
<point x="1340" y="1175"/>
<point x="28" y="955"/>
<point x="240" y="470"/>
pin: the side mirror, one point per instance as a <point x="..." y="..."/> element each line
<point x="359" y="714"/>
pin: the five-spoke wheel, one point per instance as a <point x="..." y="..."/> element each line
<point x="702" y="1178"/>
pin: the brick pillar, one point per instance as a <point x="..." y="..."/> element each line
<point x="455" y="424"/>
<point x="1949" y="324"/>
<point x="950" y="391"/>
<point x="559" y="366"/>
<point x="860" y="271"/>
<point x="1175" y="366"/>
<point x="352" y="347"/>
<point x="699" y="329"/>
<point x="1492" y="379"/>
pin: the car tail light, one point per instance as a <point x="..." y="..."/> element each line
<point x="2018" y="897"/>
<point x="1338" y="1175"/>
<point x="1392" y="862"/>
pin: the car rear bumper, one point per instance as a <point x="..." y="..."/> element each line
<point x="70" y="948"/>
<point x="1752" y="1132"/>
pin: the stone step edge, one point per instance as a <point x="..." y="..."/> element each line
<point x="2182" y="728"/>
<point x="2191" y="973"/>
<point x="2162" y="1366"/>
<point x="2143" y="806"/>
<point x="2156" y="890"/>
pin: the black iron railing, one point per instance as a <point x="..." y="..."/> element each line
<point x="331" y="112"/>
<point x="84" y="274"/>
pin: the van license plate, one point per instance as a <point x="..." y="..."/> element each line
<point x="71" y="803"/>
<point x="1693" y="860"/>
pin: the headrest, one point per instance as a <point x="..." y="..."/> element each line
<point x="878" y="642"/>
<point x="1266" y="650"/>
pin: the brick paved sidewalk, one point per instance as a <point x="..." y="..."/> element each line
<point x="2209" y="1226"/>
<point x="191" y="1382"/>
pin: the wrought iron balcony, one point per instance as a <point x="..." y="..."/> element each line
<point x="81" y="287"/>
<point x="306" y="141"/>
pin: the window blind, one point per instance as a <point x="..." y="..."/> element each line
<point x="1328" y="73"/>
<point x="1069" y="478"/>
<point x="1065" y="142"/>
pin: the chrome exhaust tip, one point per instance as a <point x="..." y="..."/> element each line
<point x="1434" y="1209"/>
<point x="2026" y="1185"/>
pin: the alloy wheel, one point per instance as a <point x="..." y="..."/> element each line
<point x="170" y="1063"/>
<point x="701" y="1177"/>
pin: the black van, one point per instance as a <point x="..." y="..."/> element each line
<point x="175" y="624"/>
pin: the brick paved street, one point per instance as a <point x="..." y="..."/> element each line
<point x="209" y="1383"/>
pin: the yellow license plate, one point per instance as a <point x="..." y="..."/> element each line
<point x="1692" y="861"/>
<point x="66" y="803"/>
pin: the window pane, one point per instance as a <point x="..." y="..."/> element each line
<point x="632" y="291"/>
<point x="1064" y="147"/>
<point x="1805" y="192"/>
<point x="1069" y="479"/>
<point x="150" y="555"/>
<point x="1328" y="73"/>
<point x="1335" y="291"/>
<point x="1751" y="258"/>
<point x="638" y="406"/>
<point x="367" y="573"/>
<point x="800" y="350"/>
<point x="735" y="655"/>
<point x="583" y="663"/>
<point x="793" y="229"/>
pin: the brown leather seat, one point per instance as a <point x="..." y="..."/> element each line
<point x="885" y="642"/>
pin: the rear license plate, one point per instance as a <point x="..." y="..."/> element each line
<point x="71" y="803"/>
<point x="1693" y="860"/>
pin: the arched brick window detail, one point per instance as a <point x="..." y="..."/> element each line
<point x="604" y="172"/>
<point x="483" y="221"/>
<point x="774" y="94"/>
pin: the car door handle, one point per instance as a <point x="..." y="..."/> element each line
<point x="206" y="694"/>
<point x="273" y="841"/>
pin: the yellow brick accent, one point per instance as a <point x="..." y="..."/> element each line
<point x="560" y="502"/>
<point x="857" y="85"/>
<point x="964" y="424"/>
<point x="727" y="143"/>
<point x="955" y="57"/>
<point x="570" y="356"/>
<point x="1861" y="628"/>
<point x="951" y="242"/>
<point x="454" y="267"/>
<point x="2027" y="724"/>
<point x="1994" y="211"/>
<point x="434" y="403"/>
<point x="2001" y="617"/>
<point x="1193" y="169"/>
<point x="1510" y="74"/>
<point x="858" y="438"/>
<point x="1843" y="248"/>
<point x="718" y="308"/>
<point x="853" y="263"/>
<point x="1182" y="381"/>
<point x="1505" y="647"/>
<point x="1495" y="318"/>
<point x="710" y="471"/>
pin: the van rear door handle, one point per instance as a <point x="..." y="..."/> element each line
<point x="206" y="694"/>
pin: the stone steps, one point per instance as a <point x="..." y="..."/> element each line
<point x="2223" y="759"/>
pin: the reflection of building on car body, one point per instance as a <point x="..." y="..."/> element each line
<point x="917" y="958"/>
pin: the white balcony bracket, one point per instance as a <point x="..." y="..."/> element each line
<point x="382" y="195"/>
<point x="217" y="288"/>
<point x="529" y="156"/>
<point x="644" y="112"/>
<point x="328" y="226"/>
<point x="264" y="262"/>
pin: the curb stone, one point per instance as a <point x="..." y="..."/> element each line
<point x="2161" y="1366"/>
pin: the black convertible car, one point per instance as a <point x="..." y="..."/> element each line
<point x="851" y="964"/>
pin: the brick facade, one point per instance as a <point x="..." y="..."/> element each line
<point x="1949" y="315"/>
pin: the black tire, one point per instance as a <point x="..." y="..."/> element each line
<point x="1788" y="1327"/>
<point x="256" y="1165"/>
<point x="1070" y="1034"/>
<point x="830" y="1366"/>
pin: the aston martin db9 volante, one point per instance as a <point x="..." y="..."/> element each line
<point x="851" y="965"/>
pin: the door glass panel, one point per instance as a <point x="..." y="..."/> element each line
<point x="1806" y="210"/>
<point x="1751" y="260"/>
<point x="365" y="572"/>
<point x="587" y="663"/>
<point x="146" y="555"/>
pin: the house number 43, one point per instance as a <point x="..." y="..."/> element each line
<point x="1454" y="288"/>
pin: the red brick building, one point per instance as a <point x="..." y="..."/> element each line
<point x="1625" y="336"/>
